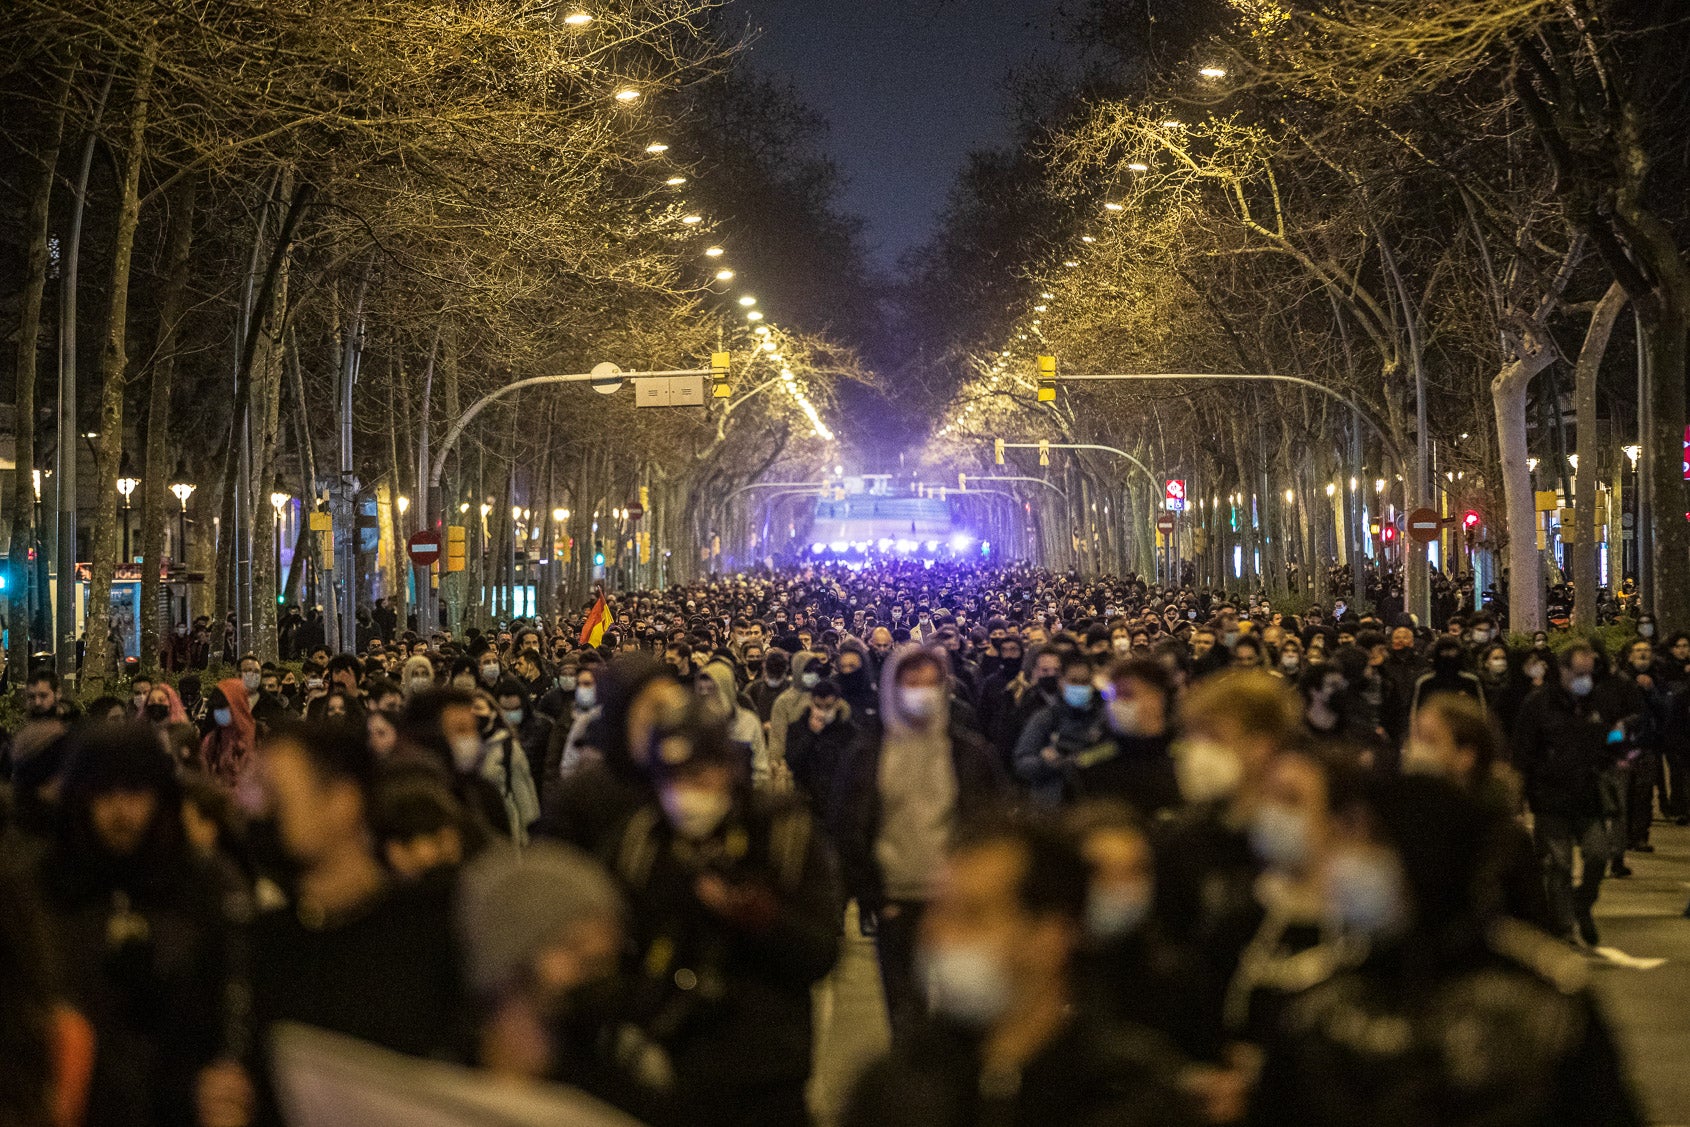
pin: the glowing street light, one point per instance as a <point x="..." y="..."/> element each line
<point x="675" y="181"/>
<point x="403" y="503"/>
<point x="1212" y="72"/>
<point x="714" y="252"/>
<point x="692" y="220"/>
<point x="627" y="95"/>
<point x="1138" y="166"/>
<point x="724" y="275"/>
<point x="560" y="515"/>
<point x="578" y="19"/>
<point x="656" y="147"/>
<point x="748" y="301"/>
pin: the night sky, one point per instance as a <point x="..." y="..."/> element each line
<point x="908" y="87"/>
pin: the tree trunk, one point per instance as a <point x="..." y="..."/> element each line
<point x="23" y="413"/>
<point x="154" y="484"/>
<point x="1509" y="390"/>
<point x="114" y="359"/>
<point x="1589" y="364"/>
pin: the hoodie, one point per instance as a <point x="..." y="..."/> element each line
<point x="789" y="708"/>
<point x="227" y="753"/>
<point x="745" y="731"/>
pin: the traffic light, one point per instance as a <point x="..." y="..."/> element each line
<point x="1047" y="379"/>
<point x="1470" y="522"/>
<point x="457" y="552"/>
<point x="997" y="451"/>
<point x="1390" y="533"/>
<point x="719" y="388"/>
<point x="598" y="553"/>
<point x="962" y="482"/>
<point x="1044" y="452"/>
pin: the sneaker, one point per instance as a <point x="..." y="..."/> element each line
<point x="1587" y="929"/>
<point x="1620" y="869"/>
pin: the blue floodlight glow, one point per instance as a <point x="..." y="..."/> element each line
<point x="839" y="547"/>
<point x="884" y="543"/>
<point x="961" y="542"/>
<point x="906" y="546"/>
<point x="932" y="545"/>
<point x="818" y="548"/>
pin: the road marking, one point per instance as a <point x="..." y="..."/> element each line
<point x="1631" y="962"/>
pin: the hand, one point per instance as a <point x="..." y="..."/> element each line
<point x="1049" y="755"/>
<point x="748" y="905"/>
<point x="225" y="1095"/>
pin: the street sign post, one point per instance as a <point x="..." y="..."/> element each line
<point x="425" y="548"/>
<point x="1423" y="525"/>
<point x="1165" y="524"/>
<point x="607" y="378"/>
<point x="1174" y="495"/>
<point x="636" y="511"/>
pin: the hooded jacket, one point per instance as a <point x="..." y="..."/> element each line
<point x="227" y="752"/>
<point x="745" y="731"/>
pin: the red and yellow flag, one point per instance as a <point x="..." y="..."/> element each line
<point x="592" y="631"/>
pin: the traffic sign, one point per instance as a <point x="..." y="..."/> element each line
<point x="1165" y="523"/>
<point x="1423" y="525"/>
<point x="607" y="378"/>
<point x="1174" y="495"/>
<point x="425" y="548"/>
<point x="636" y="511"/>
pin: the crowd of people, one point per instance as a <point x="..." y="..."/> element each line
<point x="1127" y="855"/>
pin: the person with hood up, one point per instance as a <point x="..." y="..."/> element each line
<point x="226" y="753"/>
<point x="794" y="702"/>
<point x="632" y="695"/>
<point x="719" y="693"/>
<point x="138" y="925"/>
<point x="910" y="782"/>
<point x="503" y="763"/>
<point x="417" y="675"/>
<point x="1448" y="675"/>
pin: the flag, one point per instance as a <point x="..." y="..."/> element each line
<point x="592" y="632"/>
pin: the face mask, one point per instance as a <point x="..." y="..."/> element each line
<point x="920" y="702"/>
<point x="1112" y="913"/>
<point x="1047" y="685"/>
<point x="1581" y="685"/>
<point x="1280" y="837"/>
<point x="1122" y="645"/>
<point x="1481" y="636"/>
<point x="1289" y="662"/>
<point x="1076" y="696"/>
<point x="1127" y="718"/>
<point x="1535" y="669"/>
<point x="809" y="680"/>
<point x="1646" y="629"/>
<point x="1229" y="637"/>
<point x="466" y="752"/>
<point x="250" y="682"/>
<point x="964" y="984"/>
<point x="489" y="674"/>
<point x="695" y="814"/>
<point x="1497" y="665"/>
<point x="514" y="717"/>
<point x="222" y="717"/>
<point x="1206" y="771"/>
<point x="1364" y="895"/>
<point x="158" y="713"/>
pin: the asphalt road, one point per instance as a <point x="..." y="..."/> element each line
<point x="1641" y="917"/>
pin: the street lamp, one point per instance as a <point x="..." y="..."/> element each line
<point x="126" y="485"/>
<point x="279" y="498"/>
<point x="182" y="488"/>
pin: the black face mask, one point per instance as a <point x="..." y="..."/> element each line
<point x="158" y="713"/>
<point x="1048" y="685"/>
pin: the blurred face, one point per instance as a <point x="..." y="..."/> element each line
<point x="586" y="953"/>
<point x="660" y="702"/>
<point x="383" y="736"/>
<point x="422" y="854"/>
<point x="850" y="661"/>
<point x="139" y="690"/>
<point x="271" y="683"/>
<point x="1641" y="656"/>
<point x="1402" y="638"/>
<point x="1681" y="650"/>
<point x="40" y="698"/>
<point x="313" y="817"/>
<point x="121" y="817"/>
<point x="1047" y="665"/>
<point x="335" y="709"/>
<point x="1120" y="860"/>
<point x="1296" y="789"/>
<point x="1247" y="657"/>
<point x="1202" y="642"/>
<point x="880" y="641"/>
<point x="1432" y="749"/>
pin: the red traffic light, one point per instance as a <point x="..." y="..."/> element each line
<point x="1470" y="519"/>
<point x="1390" y="533"/>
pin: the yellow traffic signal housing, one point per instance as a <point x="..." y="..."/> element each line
<point x="457" y="553"/>
<point x="1047" y="379"/>
<point x="719" y="388"/>
<point x="1044" y="452"/>
<point x="997" y="451"/>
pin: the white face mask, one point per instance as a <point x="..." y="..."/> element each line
<point x="695" y="814"/>
<point x="489" y="674"/>
<point x="1289" y="662"/>
<point x="1122" y="645"/>
<point x="920" y="702"/>
<point x="1126" y="717"/>
<point x="965" y="983"/>
<point x="585" y="696"/>
<point x="421" y="683"/>
<point x="466" y="752"/>
<point x="1497" y="665"/>
<point x="1206" y="770"/>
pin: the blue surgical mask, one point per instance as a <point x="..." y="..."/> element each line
<point x="586" y="696"/>
<point x="222" y="717"/>
<point x="1077" y="696"/>
<point x="1581" y="685"/>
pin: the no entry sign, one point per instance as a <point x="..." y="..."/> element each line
<point x="1165" y="523"/>
<point x="425" y="548"/>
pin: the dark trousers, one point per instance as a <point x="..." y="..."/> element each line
<point x="1640" y="797"/>
<point x="1675" y="777"/>
<point x="894" y="946"/>
<point x="1557" y="836"/>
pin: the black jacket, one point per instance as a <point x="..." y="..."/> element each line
<point x="817" y="761"/>
<point x="1561" y="748"/>
<point x="1093" y="1074"/>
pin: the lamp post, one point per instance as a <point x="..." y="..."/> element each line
<point x="182" y="488"/>
<point x="126" y="485"/>
<point x="279" y="498"/>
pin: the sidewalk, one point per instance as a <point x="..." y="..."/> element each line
<point x="1642" y="915"/>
